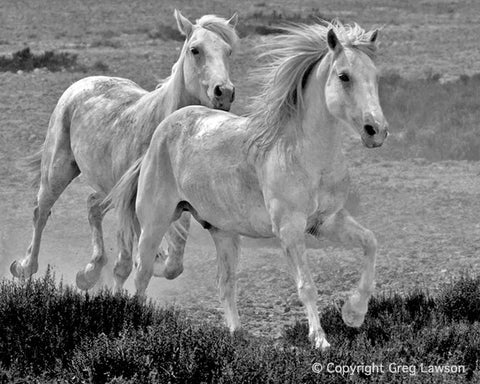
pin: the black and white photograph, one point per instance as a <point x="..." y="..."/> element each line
<point x="241" y="192"/>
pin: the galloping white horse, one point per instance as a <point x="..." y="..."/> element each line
<point x="101" y="125"/>
<point x="278" y="172"/>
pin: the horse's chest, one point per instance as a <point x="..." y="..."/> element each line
<point x="332" y="192"/>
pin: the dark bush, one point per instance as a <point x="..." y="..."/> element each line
<point x="43" y="323"/>
<point x="461" y="300"/>
<point x="25" y="60"/>
<point x="54" y="334"/>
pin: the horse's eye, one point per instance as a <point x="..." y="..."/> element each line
<point x="344" y="77"/>
<point x="194" y="50"/>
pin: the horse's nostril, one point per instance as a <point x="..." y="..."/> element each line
<point x="370" y="130"/>
<point x="217" y="91"/>
<point x="233" y="96"/>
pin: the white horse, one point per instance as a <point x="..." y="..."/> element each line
<point x="102" y="125"/>
<point x="278" y="172"/>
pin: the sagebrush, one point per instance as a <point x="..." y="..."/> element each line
<point x="52" y="332"/>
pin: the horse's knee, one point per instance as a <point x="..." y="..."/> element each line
<point x="122" y="269"/>
<point x="369" y="242"/>
<point x="307" y="292"/>
<point x="95" y="211"/>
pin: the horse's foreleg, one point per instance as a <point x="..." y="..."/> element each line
<point x="342" y="227"/>
<point x="290" y="229"/>
<point x="227" y="258"/>
<point x="61" y="172"/>
<point x="176" y="237"/>
<point x="87" y="277"/>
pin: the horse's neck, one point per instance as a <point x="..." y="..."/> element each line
<point x="166" y="99"/>
<point x="320" y="142"/>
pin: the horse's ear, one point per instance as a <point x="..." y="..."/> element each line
<point x="373" y="37"/>
<point x="333" y="43"/>
<point x="233" y="21"/>
<point x="184" y="25"/>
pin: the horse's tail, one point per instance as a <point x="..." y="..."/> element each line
<point x="122" y="199"/>
<point x="33" y="166"/>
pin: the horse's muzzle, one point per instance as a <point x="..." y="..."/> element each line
<point x="224" y="95"/>
<point x="374" y="134"/>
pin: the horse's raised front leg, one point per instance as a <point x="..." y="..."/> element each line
<point x="290" y="229"/>
<point x="88" y="277"/>
<point x="342" y="227"/>
<point x="169" y="262"/>
<point x="61" y="171"/>
<point x="226" y="245"/>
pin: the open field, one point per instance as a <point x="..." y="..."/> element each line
<point x="418" y="193"/>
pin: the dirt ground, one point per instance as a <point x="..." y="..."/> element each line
<point x="425" y="215"/>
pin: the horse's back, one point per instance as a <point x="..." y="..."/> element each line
<point x="87" y="124"/>
<point x="112" y="88"/>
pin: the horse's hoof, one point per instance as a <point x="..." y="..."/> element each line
<point x="20" y="272"/>
<point x="14" y="269"/>
<point x="82" y="282"/>
<point x="320" y="342"/>
<point x="351" y="317"/>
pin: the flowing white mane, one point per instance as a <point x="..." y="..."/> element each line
<point x="289" y="59"/>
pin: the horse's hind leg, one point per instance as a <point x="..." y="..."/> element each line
<point x="87" y="277"/>
<point x="176" y="237"/>
<point x="343" y="228"/>
<point x="61" y="169"/>
<point x="226" y="245"/>
<point x="155" y="212"/>
<point x="123" y="265"/>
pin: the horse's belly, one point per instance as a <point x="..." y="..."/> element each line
<point x="230" y="205"/>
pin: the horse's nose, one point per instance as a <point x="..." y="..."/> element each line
<point x="375" y="129"/>
<point x="224" y="95"/>
<point x="370" y="129"/>
<point x="370" y="124"/>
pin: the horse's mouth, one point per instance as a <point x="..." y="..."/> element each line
<point x="371" y="142"/>
<point x="222" y="106"/>
<point x="374" y="141"/>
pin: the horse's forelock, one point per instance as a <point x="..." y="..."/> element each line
<point x="221" y="27"/>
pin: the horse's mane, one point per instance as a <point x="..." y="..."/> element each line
<point x="217" y="25"/>
<point x="290" y="57"/>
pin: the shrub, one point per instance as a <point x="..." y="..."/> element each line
<point x="52" y="334"/>
<point x="25" y="60"/>
<point x="42" y="323"/>
<point x="461" y="300"/>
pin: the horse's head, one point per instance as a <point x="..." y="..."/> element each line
<point x="206" y="52"/>
<point x="351" y="90"/>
